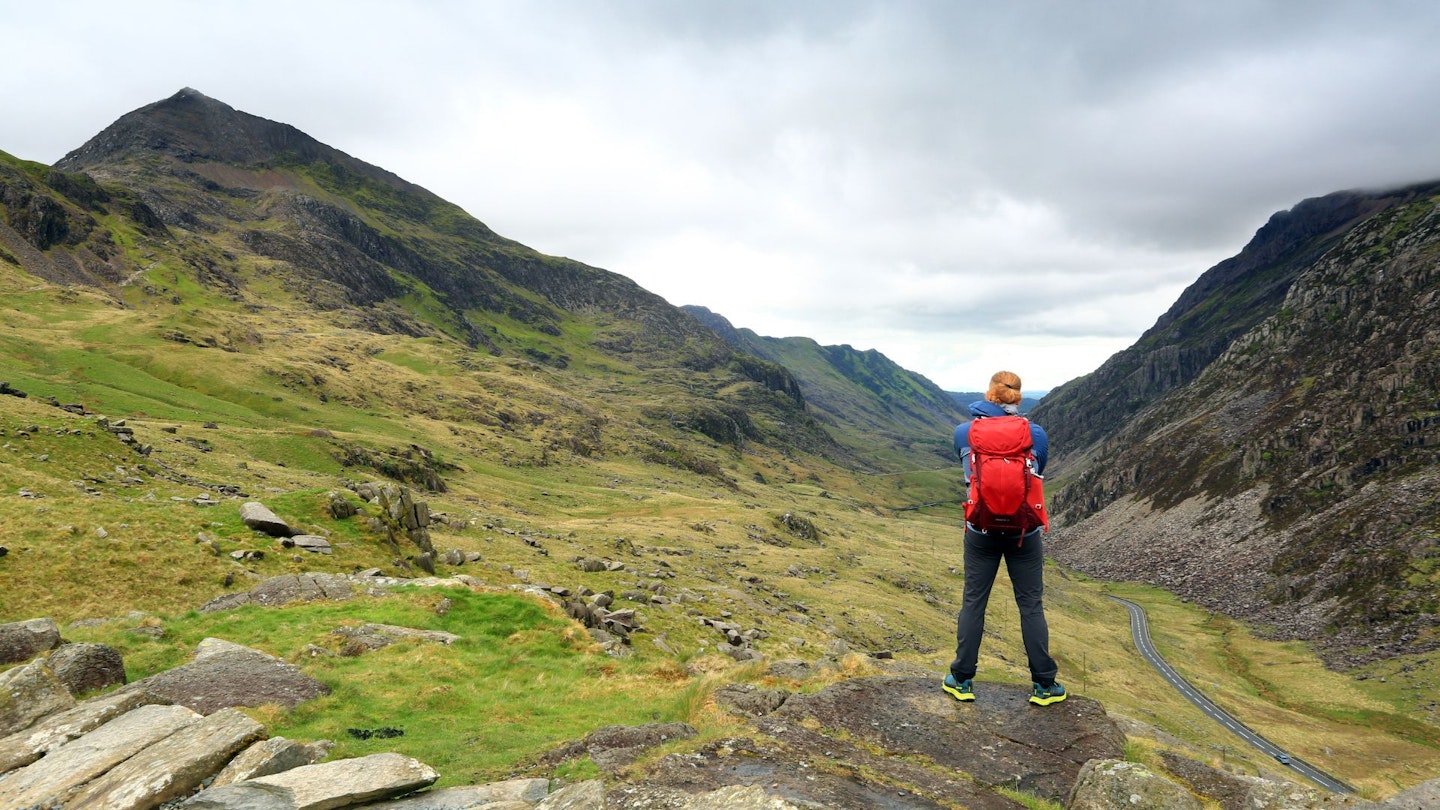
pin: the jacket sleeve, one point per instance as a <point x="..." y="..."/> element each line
<point x="1041" y="447"/>
<point x="962" y="447"/>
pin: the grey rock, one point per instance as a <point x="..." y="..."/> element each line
<point x="224" y="674"/>
<point x="340" y="783"/>
<point x="259" y="517"/>
<point x="85" y="667"/>
<point x="745" y="698"/>
<point x="523" y="793"/>
<point x="21" y="641"/>
<point x="589" y="795"/>
<point x="268" y="757"/>
<point x="341" y="507"/>
<point x="173" y="767"/>
<point x="1109" y="784"/>
<point x="23" y="748"/>
<point x="65" y="770"/>
<point x="739" y="797"/>
<point x="1421" y="797"/>
<point x="288" y="588"/>
<point x="28" y="693"/>
<point x="309" y="542"/>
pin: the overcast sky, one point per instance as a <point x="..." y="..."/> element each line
<point x="963" y="186"/>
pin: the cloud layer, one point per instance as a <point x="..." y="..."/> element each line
<point x="963" y="186"/>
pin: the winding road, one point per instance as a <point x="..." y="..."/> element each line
<point x="1140" y="629"/>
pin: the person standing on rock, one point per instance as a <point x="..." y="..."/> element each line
<point x="985" y="546"/>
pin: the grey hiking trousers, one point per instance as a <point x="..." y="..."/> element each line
<point x="1025" y="563"/>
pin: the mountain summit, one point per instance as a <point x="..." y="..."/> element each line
<point x="195" y="128"/>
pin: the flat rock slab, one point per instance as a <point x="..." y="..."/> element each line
<point x="327" y="785"/>
<point x="898" y="743"/>
<point x="524" y="792"/>
<point x="55" y="730"/>
<point x="65" y="770"/>
<point x="173" y="767"/>
<point x="225" y="674"/>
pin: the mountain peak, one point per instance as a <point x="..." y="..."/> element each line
<point x="192" y="127"/>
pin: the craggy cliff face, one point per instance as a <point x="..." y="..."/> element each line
<point x="1293" y="479"/>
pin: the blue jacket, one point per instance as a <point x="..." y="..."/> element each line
<point x="984" y="408"/>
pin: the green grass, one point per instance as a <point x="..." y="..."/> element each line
<point x="520" y="681"/>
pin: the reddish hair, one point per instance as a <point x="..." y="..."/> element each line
<point x="1004" y="389"/>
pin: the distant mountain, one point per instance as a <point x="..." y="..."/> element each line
<point x="964" y="398"/>
<point x="1268" y="448"/>
<point x="857" y="395"/>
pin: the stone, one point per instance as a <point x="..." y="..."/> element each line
<point x="588" y="795"/>
<point x="28" y="693"/>
<point x="739" y="797"/>
<point x="340" y="783"/>
<point x="224" y="674"/>
<point x="267" y="757"/>
<point x="525" y="793"/>
<point x="85" y="667"/>
<point x="21" y="641"/>
<point x="173" y="767"/>
<point x="23" y="748"/>
<point x="309" y="542"/>
<point x="745" y="698"/>
<point x="1106" y="784"/>
<point x="259" y="517"/>
<point x="1420" y="797"/>
<point x="62" y="772"/>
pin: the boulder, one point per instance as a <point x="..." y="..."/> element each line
<point x="28" y="693"/>
<point x="85" y="667"/>
<point x="21" y="641"/>
<point x="340" y="783"/>
<point x="309" y="542"/>
<point x="1107" y="784"/>
<point x="224" y="674"/>
<point x="259" y="517"/>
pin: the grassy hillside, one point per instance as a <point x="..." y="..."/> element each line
<point x="281" y="329"/>
<point x="102" y="531"/>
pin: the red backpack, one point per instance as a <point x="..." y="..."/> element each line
<point x="1005" y="492"/>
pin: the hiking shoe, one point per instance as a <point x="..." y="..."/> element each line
<point x="964" y="690"/>
<point x="1045" y="695"/>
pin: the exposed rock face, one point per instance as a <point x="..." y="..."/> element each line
<point x="1292" y="482"/>
<point x="329" y="784"/>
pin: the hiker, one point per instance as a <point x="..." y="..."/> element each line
<point x="1021" y="548"/>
